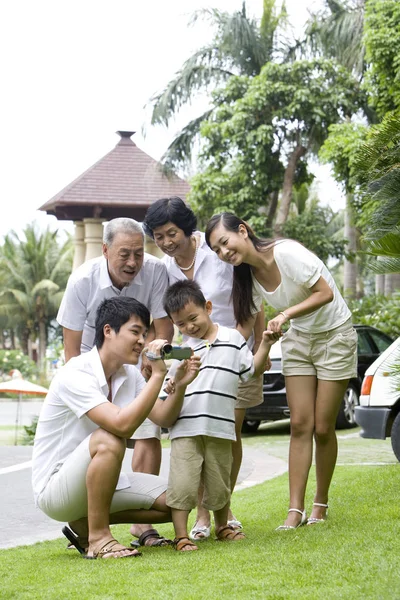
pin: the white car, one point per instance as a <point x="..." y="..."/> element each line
<point x="379" y="412"/>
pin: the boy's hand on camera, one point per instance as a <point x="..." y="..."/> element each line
<point x="187" y="371"/>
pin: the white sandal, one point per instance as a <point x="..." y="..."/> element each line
<point x="314" y="520"/>
<point x="198" y="533"/>
<point x="302" y="521"/>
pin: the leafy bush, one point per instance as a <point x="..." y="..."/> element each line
<point x="16" y="359"/>
<point x="379" y="311"/>
<point x="30" y="431"/>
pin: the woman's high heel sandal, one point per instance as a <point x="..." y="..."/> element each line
<point x="314" y="520"/>
<point x="301" y="522"/>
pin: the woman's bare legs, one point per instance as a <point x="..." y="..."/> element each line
<point x="301" y="391"/>
<point x="329" y="397"/>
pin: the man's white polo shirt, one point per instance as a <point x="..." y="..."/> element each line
<point x="78" y="387"/>
<point x="91" y="283"/>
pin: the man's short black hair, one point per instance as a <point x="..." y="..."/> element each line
<point x="115" y="312"/>
<point x="180" y="293"/>
<point x="170" y="210"/>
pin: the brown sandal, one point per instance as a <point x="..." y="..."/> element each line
<point x="109" y="547"/>
<point x="181" y="542"/>
<point x="230" y="534"/>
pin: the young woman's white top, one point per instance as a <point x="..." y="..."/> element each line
<point x="300" y="269"/>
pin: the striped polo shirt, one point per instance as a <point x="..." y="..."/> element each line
<point x="209" y="404"/>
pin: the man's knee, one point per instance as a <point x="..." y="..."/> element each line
<point x="102" y="441"/>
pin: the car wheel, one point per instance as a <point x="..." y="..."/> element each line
<point x="345" y="419"/>
<point x="250" y="426"/>
<point x="395" y="437"/>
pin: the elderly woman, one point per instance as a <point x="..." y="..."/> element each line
<point x="172" y="225"/>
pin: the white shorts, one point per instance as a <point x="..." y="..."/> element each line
<point x="147" y="430"/>
<point x="65" y="497"/>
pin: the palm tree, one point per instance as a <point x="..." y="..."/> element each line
<point x="378" y="162"/>
<point x="34" y="273"/>
<point x="241" y="46"/>
<point x="336" y="32"/>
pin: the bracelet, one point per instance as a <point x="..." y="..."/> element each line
<point x="285" y="315"/>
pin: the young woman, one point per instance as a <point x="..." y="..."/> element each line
<point x="172" y="225"/>
<point x="319" y="350"/>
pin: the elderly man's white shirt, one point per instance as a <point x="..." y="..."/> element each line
<point x="91" y="283"/>
<point x="63" y="424"/>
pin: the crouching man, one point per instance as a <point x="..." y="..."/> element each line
<point x="96" y="402"/>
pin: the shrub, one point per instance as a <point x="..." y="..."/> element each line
<point x="379" y="311"/>
<point x="16" y="359"/>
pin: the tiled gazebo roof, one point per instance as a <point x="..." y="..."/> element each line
<point x="121" y="184"/>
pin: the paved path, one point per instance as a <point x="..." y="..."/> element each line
<point x="22" y="524"/>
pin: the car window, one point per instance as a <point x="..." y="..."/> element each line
<point x="380" y="339"/>
<point x="364" y="344"/>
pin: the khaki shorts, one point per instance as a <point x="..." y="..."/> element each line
<point x="197" y="458"/>
<point x="147" y="430"/>
<point x="330" y="355"/>
<point x="65" y="496"/>
<point x="250" y="393"/>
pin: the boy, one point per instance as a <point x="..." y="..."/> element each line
<point x="202" y="433"/>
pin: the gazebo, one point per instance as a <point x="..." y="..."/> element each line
<point x="123" y="183"/>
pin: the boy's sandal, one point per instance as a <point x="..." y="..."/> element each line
<point x="229" y="534"/>
<point x="314" y="520"/>
<point x="180" y="542"/>
<point x="199" y="533"/>
<point x="159" y="540"/>
<point x="111" y="547"/>
<point x="81" y="544"/>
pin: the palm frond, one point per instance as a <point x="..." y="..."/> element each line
<point x="180" y="150"/>
<point x="198" y="72"/>
<point x="387" y="245"/>
<point x="385" y="266"/>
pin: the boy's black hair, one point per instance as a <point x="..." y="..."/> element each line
<point x="180" y="293"/>
<point x="170" y="210"/>
<point x="115" y="312"/>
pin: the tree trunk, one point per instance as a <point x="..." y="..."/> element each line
<point x="272" y="208"/>
<point x="350" y="265"/>
<point x="392" y="283"/>
<point x="287" y="189"/>
<point x="380" y="284"/>
<point x="42" y="346"/>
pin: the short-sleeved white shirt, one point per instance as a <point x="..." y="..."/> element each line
<point x="91" y="283"/>
<point x="77" y="387"/>
<point x="209" y="404"/>
<point x="300" y="269"/>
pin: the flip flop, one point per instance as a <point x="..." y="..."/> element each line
<point x="151" y="533"/>
<point x="74" y="540"/>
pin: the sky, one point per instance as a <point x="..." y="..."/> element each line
<point x="74" y="72"/>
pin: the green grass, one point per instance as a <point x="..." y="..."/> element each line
<point x="354" y="555"/>
<point x="7" y="435"/>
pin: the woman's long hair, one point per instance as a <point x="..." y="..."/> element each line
<point x="242" y="290"/>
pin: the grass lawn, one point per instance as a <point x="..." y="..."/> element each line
<point x="355" y="554"/>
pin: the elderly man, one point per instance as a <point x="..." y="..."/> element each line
<point x="95" y="402"/>
<point x="123" y="270"/>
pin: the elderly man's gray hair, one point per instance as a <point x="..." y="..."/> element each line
<point x="120" y="225"/>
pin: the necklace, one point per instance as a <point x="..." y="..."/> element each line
<point x="193" y="261"/>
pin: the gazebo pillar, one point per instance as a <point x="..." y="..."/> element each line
<point x="93" y="238"/>
<point x="79" y="245"/>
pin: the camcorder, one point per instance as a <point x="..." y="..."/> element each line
<point x="169" y="351"/>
